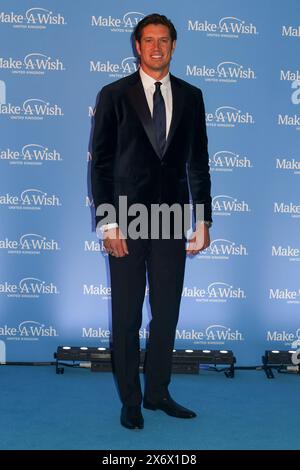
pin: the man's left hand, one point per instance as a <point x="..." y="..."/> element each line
<point x="199" y="241"/>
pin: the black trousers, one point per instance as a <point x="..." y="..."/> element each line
<point x="163" y="261"/>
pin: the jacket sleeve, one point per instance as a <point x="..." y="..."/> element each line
<point x="104" y="140"/>
<point x="198" y="166"/>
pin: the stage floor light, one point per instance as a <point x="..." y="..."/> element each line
<point x="184" y="361"/>
<point x="284" y="361"/>
<point x="82" y="356"/>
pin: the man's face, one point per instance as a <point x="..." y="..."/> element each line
<point x="155" y="49"/>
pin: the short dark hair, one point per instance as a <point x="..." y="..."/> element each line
<point x="154" y="18"/>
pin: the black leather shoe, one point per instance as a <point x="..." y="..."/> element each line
<point x="131" y="417"/>
<point x="170" y="407"/>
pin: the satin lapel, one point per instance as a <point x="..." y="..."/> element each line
<point x="178" y="101"/>
<point x="138" y="100"/>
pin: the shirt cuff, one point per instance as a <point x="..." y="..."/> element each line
<point x="206" y="222"/>
<point x="106" y="227"/>
<point x="103" y="228"/>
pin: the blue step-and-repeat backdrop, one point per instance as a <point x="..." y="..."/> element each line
<point x="243" y="293"/>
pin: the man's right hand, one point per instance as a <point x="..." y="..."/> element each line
<point x="115" y="243"/>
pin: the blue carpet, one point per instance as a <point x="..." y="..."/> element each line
<point x="80" y="410"/>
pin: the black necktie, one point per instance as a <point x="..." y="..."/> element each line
<point x="159" y="117"/>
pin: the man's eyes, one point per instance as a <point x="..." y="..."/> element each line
<point x="164" y="40"/>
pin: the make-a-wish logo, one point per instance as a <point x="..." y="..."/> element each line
<point x="289" y="165"/>
<point x="213" y="334"/>
<point x="290" y="209"/>
<point x="126" y="24"/>
<point x="223" y="249"/>
<point x="34" y="109"/>
<point x="228" y="116"/>
<point x="215" y="292"/>
<point x="224" y="72"/>
<point x="101" y="290"/>
<point x="289" y="120"/>
<point x="29" y="244"/>
<point x="127" y="66"/>
<point x="226" y="205"/>
<point x="225" y="160"/>
<point x="286" y="337"/>
<point x="28" y="330"/>
<point x="95" y="246"/>
<point x="28" y="288"/>
<point x="35" y="63"/>
<point x="97" y="290"/>
<point x="287" y="295"/>
<point x="33" y="18"/>
<point x="100" y="333"/>
<point x="289" y="75"/>
<point x="286" y="252"/>
<point x="290" y="31"/>
<point x="227" y="27"/>
<point x="30" y="154"/>
<point x="30" y="199"/>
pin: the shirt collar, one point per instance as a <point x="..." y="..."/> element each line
<point x="148" y="81"/>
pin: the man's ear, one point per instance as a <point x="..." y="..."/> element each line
<point x="173" y="46"/>
<point x="138" y="47"/>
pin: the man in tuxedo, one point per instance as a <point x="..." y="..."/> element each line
<point x="150" y="145"/>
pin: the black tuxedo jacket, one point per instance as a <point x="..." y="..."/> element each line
<point x="126" y="160"/>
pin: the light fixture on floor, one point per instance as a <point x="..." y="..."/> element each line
<point x="282" y="361"/>
<point x="82" y="356"/>
<point x="184" y="361"/>
<point x="209" y="357"/>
